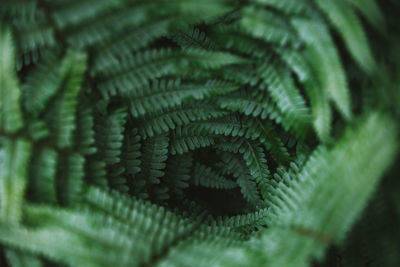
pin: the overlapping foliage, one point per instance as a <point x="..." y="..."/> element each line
<point x="192" y="133"/>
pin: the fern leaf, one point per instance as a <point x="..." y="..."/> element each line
<point x="84" y="133"/>
<point x="112" y="50"/>
<point x="34" y="38"/>
<point x="289" y="7"/>
<point x="254" y="159"/>
<point x="256" y="103"/>
<point x="186" y="139"/>
<point x="10" y="110"/>
<point x="245" y="180"/>
<point x="134" y="214"/>
<point x="248" y="189"/>
<point x="153" y="162"/>
<point x="69" y="184"/>
<point x="268" y="26"/>
<point x="168" y="119"/>
<point x="239" y="221"/>
<point x="14" y="157"/>
<point x="67" y="13"/>
<point x="287" y="97"/>
<point x="20" y="259"/>
<point x="96" y="172"/>
<point x="194" y="38"/>
<point x="347" y="23"/>
<point x="42" y="84"/>
<point x="42" y="175"/>
<point x="135" y="72"/>
<point x="207" y="177"/>
<point x="320" y="109"/>
<point x="131" y="152"/>
<point x="325" y="61"/>
<point x="60" y="116"/>
<point x="177" y="173"/>
<point x="109" y="135"/>
<point x="371" y="12"/>
<point x="165" y="94"/>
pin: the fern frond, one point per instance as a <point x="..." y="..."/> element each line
<point x="113" y="51"/>
<point x="153" y="162"/>
<point x="41" y="85"/>
<point x="255" y="103"/>
<point x="194" y="38"/>
<point x="37" y="129"/>
<point x="134" y="72"/>
<point x="248" y="189"/>
<point x="136" y="216"/>
<point x="347" y="23"/>
<point x="245" y="223"/>
<point x="61" y="114"/>
<point x="177" y="173"/>
<point x="320" y="109"/>
<point x="254" y="158"/>
<point x="10" y="109"/>
<point x="69" y="227"/>
<point x="266" y="133"/>
<point x="21" y="259"/>
<point x="289" y="101"/>
<point x="18" y="10"/>
<point x="97" y="31"/>
<point x="241" y="220"/>
<point x="325" y="61"/>
<point x="246" y="178"/>
<point x="69" y="183"/>
<point x="207" y="177"/>
<point x="42" y="175"/>
<point x="131" y="152"/>
<point x="34" y="38"/>
<point x="268" y="26"/>
<point x="84" y="133"/>
<point x="168" y="119"/>
<point x="372" y="12"/>
<point x="171" y="93"/>
<point x="229" y="125"/>
<point x="14" y="156"/>
<point x="72" y="12"/>
<point x="187" y="139"/>
<point x="96" y="173"/>
<point x="178" y="133"/>
<point x="289" y="7"/>
<point x="109" y="135"/>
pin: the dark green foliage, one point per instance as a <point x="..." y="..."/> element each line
<point x="198" y="132"/>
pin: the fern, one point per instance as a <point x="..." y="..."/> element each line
<point x="326" y="62"/>
<point x="169" y="119"/>
<point x="42" y="175"/>
<point x="60" y="116"/>
<point x="109" y="135"/>
<point x="205" y="176"/>
<point x="343" y="17"/>
<point x="11" y="115"/>
<point x="186" y="139"/>
<point x="15" y="155"/>
<point x="198" y="133"/>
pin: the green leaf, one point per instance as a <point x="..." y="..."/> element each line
<point x="60" y="116"/>
<point x="14" y="156"/>
<point x="287" y="97"/>
<point x="347" y="23"/>
<point x="371" y="11"/>
<point x="324" y="59"/>
<point x="10" y="109"/>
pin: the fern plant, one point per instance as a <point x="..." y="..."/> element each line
<point x="198" y="133"/>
